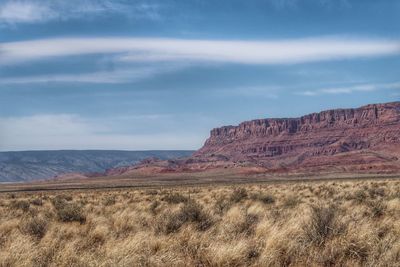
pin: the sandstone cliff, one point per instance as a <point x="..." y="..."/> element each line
<point x="366" y="137"/>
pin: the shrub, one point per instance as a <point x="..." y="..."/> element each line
<point x="21" y="205"/>
<point x="34" y="226"/>
<point x="291" y="202"/>
<point x="247" y="225"/>
<point x="205" y="222"/>
<point x="322" y="224"/>
<point x="67" y="197"/>
<point x="189" y="212"/>
<point x="222" y="205"/>
<point x="175" y="198"/>
<point x="37" y="202"/>
<point x="238" y="194"/>
<point x="377" y="208"/>
<point x="376" y="192"/>
<point x="68" y="212"/>
<point x="61" y="199"/>
<point x="253" y="252"/>
<point x="395" y="194"/>
<point x="153" y="206"/>
<point x="360" y="196"/>
<point x="264" y="198"/>
<point x="169" y="223"/>
<point x="109" y="200"/>
<point x="151" y="192"/>
<point x="192" y="211"/>
<point x="58" y="202"/>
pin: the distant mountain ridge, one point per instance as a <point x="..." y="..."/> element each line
<point x="364" y="139"/>
<point x="32" y="165"/>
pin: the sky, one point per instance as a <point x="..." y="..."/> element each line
<point x="160" y="74"/>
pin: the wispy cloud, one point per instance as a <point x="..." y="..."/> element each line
<point x="268" y="92"/>
<point x="396" y="94"/>
<point x="70" y="131"/>
<point x="291" y="4"/>
<point x="281" y="4"/>
<point x="38" y="11"/>
<point x="351" y="89"/>
<point x="12" y="12"/>
<point x="101" y="77"/>
<point x="245" y="52"/>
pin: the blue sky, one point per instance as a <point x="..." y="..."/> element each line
<point x="138" y="75"/>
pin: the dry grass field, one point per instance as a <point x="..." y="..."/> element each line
<point x="326" y="223"/>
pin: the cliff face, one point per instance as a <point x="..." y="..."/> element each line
<point x="313" y="139"/>
<point x="365" y="139"/>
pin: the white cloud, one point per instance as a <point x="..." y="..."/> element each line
<point x="245" y="52"/>
<point x="269" y="92"/>
<point x="281" y="4"/>
<point x="351" y="89"/>
<point x="68" y="131"/>
<point x="37" y="11"/>
<point x="111" y="77"/>
<point x="24" y="12"/>
<point x="294" y="4"/>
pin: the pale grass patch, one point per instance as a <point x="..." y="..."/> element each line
<point x="228" y="254"/>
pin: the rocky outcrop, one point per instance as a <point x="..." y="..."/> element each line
<point x="365" y="135"/>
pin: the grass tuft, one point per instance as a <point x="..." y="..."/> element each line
<point x="322" y="224"/>
<point x="34" y="226"/>
<point x="175" y="198"/>
<point x="238" y="194"/>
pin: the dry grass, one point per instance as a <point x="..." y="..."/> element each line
<point x="290" y="224"/>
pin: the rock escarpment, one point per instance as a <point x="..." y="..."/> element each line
<point x="367" y="137"/>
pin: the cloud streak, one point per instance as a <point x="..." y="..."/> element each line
<point x="99" y="77"/>
<point x="241" y="52"/>
<point x="293" y="4"/>
<point x="24" y="12"/>
<point x="351" y="89"/>
<point x="39" y="11"/>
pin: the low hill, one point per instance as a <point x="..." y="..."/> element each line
<point x="33" y="165"/>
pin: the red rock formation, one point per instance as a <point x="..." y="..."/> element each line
<point x="365" y="139"/>
<point x="346" y="137"/>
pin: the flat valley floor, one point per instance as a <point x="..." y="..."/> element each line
<point x="292" y="223"/>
